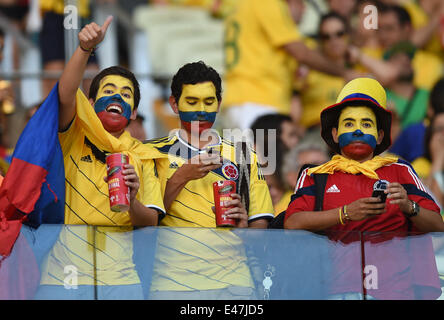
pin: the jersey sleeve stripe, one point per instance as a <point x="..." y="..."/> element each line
<point x="260" y="216"/>
<point x="415" y="178"/>
<point x="413" y="190"/>
<point x="153" y="206"/>
<point x="301" y="180"/>
<point x="306" y="191"/>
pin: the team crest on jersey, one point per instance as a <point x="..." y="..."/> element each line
<point x="230" y="171"/>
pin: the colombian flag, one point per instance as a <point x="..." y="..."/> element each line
<point x="33" y="189"/>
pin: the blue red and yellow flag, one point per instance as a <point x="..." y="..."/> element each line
<point x="35" y="182"/>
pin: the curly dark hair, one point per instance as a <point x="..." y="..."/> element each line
<point x="119" y="71"/>
<point x="193" y="73"/>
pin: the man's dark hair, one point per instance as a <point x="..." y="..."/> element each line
<point x="118" y="71"/>
<point x="270" y="121"/>
<point x="402" y="14"/>
<point x="2" y="33"/>
<point x="194" y="73"/>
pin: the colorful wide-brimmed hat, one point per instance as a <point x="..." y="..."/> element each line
<point x="359" y="92"/>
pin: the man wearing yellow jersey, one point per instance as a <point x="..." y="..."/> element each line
<point x="262" y="49"/>
<point x="200" y="262"/>
<point x="90" y="129"/>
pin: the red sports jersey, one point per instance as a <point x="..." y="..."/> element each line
<point x="375" y="241"/>
<point x="344" y="188"/>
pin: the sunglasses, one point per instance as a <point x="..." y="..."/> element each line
<point x="329" y="36"/>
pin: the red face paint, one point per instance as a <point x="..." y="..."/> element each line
<point x="202" y="126"/>
<point x="112" y="122"/>
<point x="357" y="150"/>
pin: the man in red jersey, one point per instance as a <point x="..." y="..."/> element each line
<point x="357" y="128"/>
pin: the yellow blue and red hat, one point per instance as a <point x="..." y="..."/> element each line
<point x="359" y="92"/>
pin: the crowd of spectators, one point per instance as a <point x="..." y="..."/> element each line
<point x="274" y="68"/>
<point x="277" y="79"/>
<point x="398" y="42"/>
<point x="403" y="51"/>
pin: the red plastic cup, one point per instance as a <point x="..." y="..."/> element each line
<point x="119" y="192"/>
<point x="222" y="192"/>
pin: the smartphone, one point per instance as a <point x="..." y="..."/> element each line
<point x="378" y="190"/>
<point x="381" y="194"/>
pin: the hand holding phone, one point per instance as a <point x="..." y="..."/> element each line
<point x="379" y="190"/>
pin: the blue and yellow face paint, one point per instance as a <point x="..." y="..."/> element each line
<point x="198" y="102"/>
<point x="115" y="102"/>
<point x="357" y="131"/>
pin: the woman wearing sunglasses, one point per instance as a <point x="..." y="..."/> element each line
<point x="318" y="89"/>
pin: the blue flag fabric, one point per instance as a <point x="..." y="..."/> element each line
<point x="34" y="189"/>
<point x="35" y="181"/>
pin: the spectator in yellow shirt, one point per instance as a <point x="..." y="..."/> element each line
<point x="320" y="89"/>
<point x="262" y="49"/>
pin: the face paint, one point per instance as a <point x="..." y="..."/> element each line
<point x="198" y="102"/>
<point x="357" y="132"/>
<point x="115" y="102"/>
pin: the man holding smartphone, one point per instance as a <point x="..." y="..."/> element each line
<point x="357" y="128"/>
<point x="193" y="260"/>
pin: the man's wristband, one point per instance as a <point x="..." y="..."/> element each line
<point x="346" y="216"/>
<point x="90" y="51"/>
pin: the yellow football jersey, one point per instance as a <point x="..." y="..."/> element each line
<point x="258" y="69"/>
<point x="87" y="203"/>
<point x="58" y="6"/>
<point x="192" y="207"/>
<point x="202" y="257"/>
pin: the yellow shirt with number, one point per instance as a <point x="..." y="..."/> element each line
<point x="258" y="69"/>
<point x="195" y="255"/>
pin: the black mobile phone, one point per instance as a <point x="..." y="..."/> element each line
<point x="378" y="190"/>
<point x="380" y="194"/>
